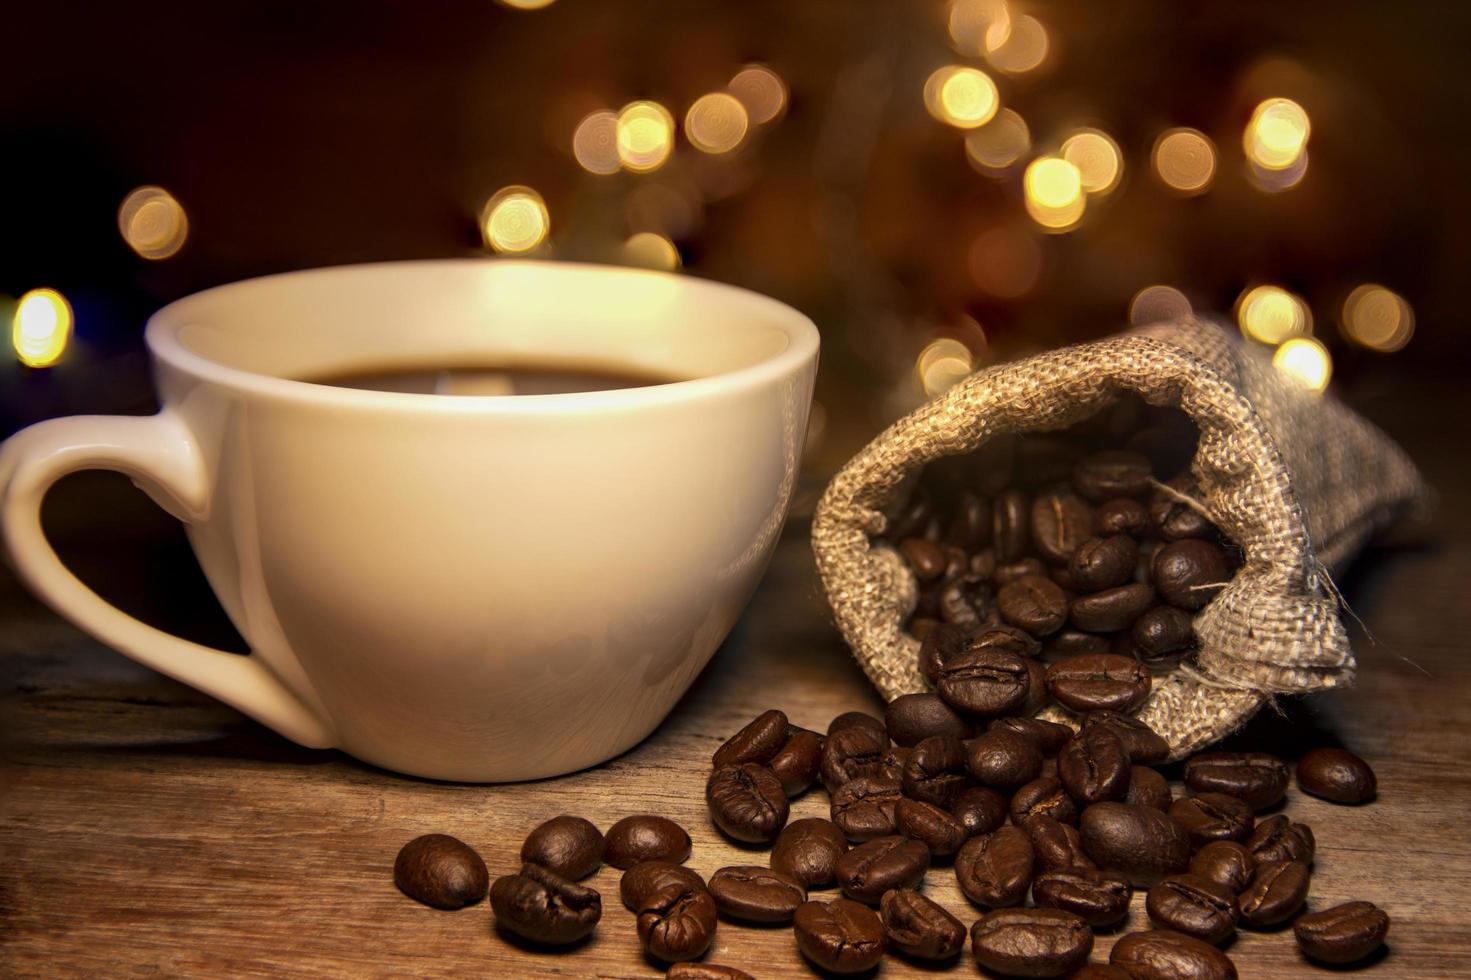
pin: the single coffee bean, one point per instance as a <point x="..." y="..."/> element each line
<point x="1094" y="766"/>
<point x="867" y="871"/>
<point x="1162" y="633"/>
<point x="1035" y="604"/>
<point x="865" y="808"/>
<point x="995" y="870"/>
<point x="911" y="519"/>
<point x="936" y="770"/>
<point x="544" y="907"/>
<point x="1056" y="846"/>
<point x="968" y="601"/>
<point x="1099" y="898"/>
<point x="1162" y="954"/>
<point x="645" y="837"/>
<point x="1190" y="904"/>
<point x="985" y="682"/>
<point x="1279" y="839"/>
<point x="979" y="809"/>
<point x="1099" y="682"/>
<point x="1112" y="609"/>
<point x="441" y="871"/>
<point x="970" y="524"/>
<point x="1072" y="643"/>
<point x="924" y="557"/>
<point x="1143" y="744"/>
<point x="798" y="762"/>
<point x="1255" y="777"/>
<point x="1148" y="788"/>
<point x="912" y="717"/>
<point x="1343" y="934"/>
<point x="747" y="802"/>
<point x="645" y="878"/>
<point x="1038" y="942"/>
<point x="933" y="827"/>
<point x="941" y="644"/>
<point x="705" y="971"/>
<point x="1275" y="895"/>
<point x="1189" y="573"/>
<point x="761" y="739"/>
<point x="1061" y="522"/>
<point x="754" y="894"/>
<point x="1176" y="518"/>
<point x="1120" y="516"/>
<point x="1003" y="759"/>
<point x="864" y="720"/>
<point x="1044" y="795"/>
<point x="839" y="936"/>
<point x="1103" y="563"/>
<point x="1050" y="736"/>
<point x="919" y="927"/>
<point x="1113" y="473"/>
<point x="1337" y="775"/>
<point x="1137" y="841"/>
<point x="1225" y="862"/>
<point x="852" y="751"/>
<point x="677" y="922"/>
<point x="1209" y="817"/>
<point x="1017" y="570"/>
<point x="570" y="846"/>
<point x="1009" y="531"/>
<point x="808" y="851"/>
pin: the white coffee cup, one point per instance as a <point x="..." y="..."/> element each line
<point x="476" y="588"/>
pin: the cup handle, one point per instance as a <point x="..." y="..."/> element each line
<point x="162" y="457"/>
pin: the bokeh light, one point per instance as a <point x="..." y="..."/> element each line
<point x="1306" y="361"/>
<point x="1273" y="181"/>
<point x="152" y="222"/>
<point x="998" y="145"/>
<point x="1053" y="189"/>
<point x="942" y="364"/>
<point x="1005" y="262"/>
<point x="645" y="136"/>
<point x="41" y="327"/>
<point x="1270" y="314"/>
<point x="1157" y="304"/>
<point x="1098" y="159"/>
<point x="526" y="4"/>
<point x="651" y="250"/>
<point x="969" y="21"/>
<point x="961" y="96"/>
<point x="1377" y="318"/>
<point x="515" y="219"/>
<point x="716" y="123"/>
<point x="1016" y="45"/>
<point x="1185" y="160"/>
<point x="1277" y="134"/>
<point x="761" y="91"/>
<point x="595" y="143"/>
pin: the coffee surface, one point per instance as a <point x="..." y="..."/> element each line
<point x="531" y="378"/>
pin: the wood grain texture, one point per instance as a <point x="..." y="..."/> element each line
<point x="145" y="829"/>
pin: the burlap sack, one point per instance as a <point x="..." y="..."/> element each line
<point x="1294" y="477"/>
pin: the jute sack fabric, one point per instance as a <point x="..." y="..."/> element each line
<point x="1292" y="476"/>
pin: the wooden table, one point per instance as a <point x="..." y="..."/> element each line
<point x="145" y="829"/>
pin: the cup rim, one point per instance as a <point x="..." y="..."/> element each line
<point x="161" y="337"/>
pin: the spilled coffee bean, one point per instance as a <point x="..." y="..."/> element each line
<point x="919" y="927"/>
<point x="543" y="907"/>
<point x="840" y="936"/>
<point x="441" y="871"/>
<point x="570" y="846"/>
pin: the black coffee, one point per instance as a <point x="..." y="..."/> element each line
<point x="492" y="379"/>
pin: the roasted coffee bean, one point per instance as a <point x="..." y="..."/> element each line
<point x="868" y="870"/>
<point x="645" y="837"/>
<point x="839" y="936"/>
<point x="983" y="563"/>
<point x="1144" y="745"/>
<point x="1209" y="817"/>
<point x="808" y="851"/>
<point x="1061" y="522"/>
<point x="925" y="558"/>
<point x="797" y="763"/>
<point x="970" y="524"/>
<point x="1337" y="775"/>
<point x="677" y="922"/>
<point x="1148" y="788"/>
<point x="1043" y="796"/>
<point x="1120" y="516"/>
<point x="1050" y="736"/>
<point x="1176" y="518"/>
<point x="995" y="870"/>
<point x="544" y="907"/>
<point x="936" y="770"/>
<point x="1189" y="573"/>
<point x="918" y="927"/>
<point x="647" y="877"/>
<point x="1113" y="473"/>
<point x="1094" y="766"/>
<point x="852" y="751"/>
<point x="1072" y="643"/>
<point x="864" y="808"/>
<point x="891" y="763"/>
<point x="1103" y="563"/>
<point x="1279" y="839"/>
<point x="968" y="601"/>
<point x="1003" y="759"/>
<point x="441" y="871"/>
<point x="747" y="802"/>
<point x="933" y="827"/>
<point x="1225" y="862"/>
<point x="1037" y="696"/>
<point x="1112" y="609"/>
<point x="754" y="894"/>
<point x="1035" y="604"/>
<point x="910" y="520"/>
<point x="864" y="720"/>
<point x="1275" y="895"/>
<point x="1162" y="954"/>
<point x="1031" y="942"/>
<point x="1009" y="638"/>
<point x="761" y="739"/>
<point x="705" y="971"/>
<point x="570" y="846"/>
<point x="1098" y="682"/>
<point x="1056" y="846"/>
<point x="1343" y="934"/>
<point x="979" y="809"/>
<point x="1190" y="904"/>
<point x="1009" y="519"/>
<point x="1099" y="898"/>
<point x="1137" y="841"/>
<point x="942" y="643"/>
<point x="912" y="717"/>
<point x="1255" y="777"/>
<point x="1017" y="570"/>
<point x="1163" y="633"/>
<point x="984" y="681"/>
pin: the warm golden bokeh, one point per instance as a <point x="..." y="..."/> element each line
<point x="645" y="136"/>
<point x="526" y="4"/>
<point x="999" y="144"/>
<point x="41" y="327"/>
<point x="595" y="143"/>
<point x="969" y="22"/>
<point x="152" y="222"/>
<point x="961" y="96"/>
<point x="941" y="364"/>
<point x="1277" y="135"/>
<point x="651" y="250"/>
<point x="1185" y="160"/>
<point x="515" y="219"/>
<point x="1053" y="190"/>
<point x="1306" y="361"/>
<point x="1270" y="314"/>
<point x="1377" y="318"/>
<point x="1099" y="161"/>
<point x="1155" y="304"/>
<point x="716" y="123"/>
<point x="761" y="91"/>
<point x="1017" y="45"/>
